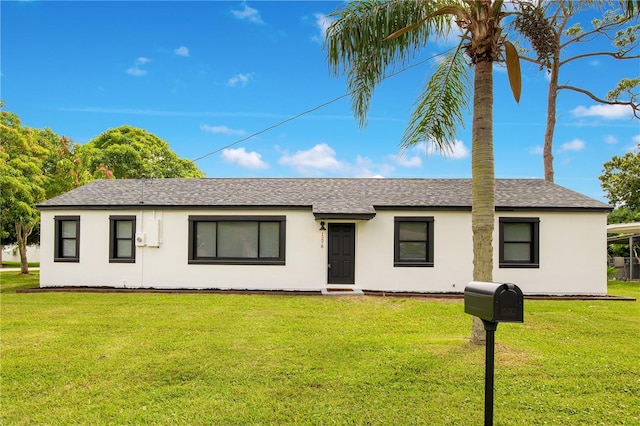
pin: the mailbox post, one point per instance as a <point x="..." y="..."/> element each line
<point x="492" y="303"/>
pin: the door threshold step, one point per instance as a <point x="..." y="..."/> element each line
<point x="342" y="291"/>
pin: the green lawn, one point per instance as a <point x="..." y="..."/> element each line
<point x="9" y="264"/>
<point x="81" y="358"/>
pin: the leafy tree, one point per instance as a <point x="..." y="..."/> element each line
<point x="547" y="27"/>
<point x="623" y="215"/>
<point x="621" y="180"/>
<point x="129" y="152"/>
<point x="21" y="182"/>
<point x="36" y="164"/>
<point x="369" y="37"/>
<point x="62" y="168"/>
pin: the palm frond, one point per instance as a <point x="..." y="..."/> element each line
<point x="439" y="109"/>
<point x="631" y="7"/>
<point x="356" y="46"/>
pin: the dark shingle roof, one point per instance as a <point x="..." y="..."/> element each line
<point x="357" y="196"/>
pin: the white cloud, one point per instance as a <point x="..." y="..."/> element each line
<point x="404" y="160"/>
<point x="456" y="152"/>
<point x="364" y="168"/>
<point x="574" y="145"/>
<point x="319" y="158"/>
<point x="182" y="51"/>
<point x="322" y="22"/>
<point x="242" y="79"/>
<point x="249" y="160"/>
<point x="248" y="13"/>
<point x="135" y="70"/>
<point x="608" y="112"/>
<point x="222" y="130"/>
<point x="610" y="139"/>
<point x="536" y="150"/>
<point x="635" y="147"/>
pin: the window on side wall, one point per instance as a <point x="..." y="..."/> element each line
<point x="519" y="242"/>
<point x="413" y="241"/>
<point x="122" y="231"/>
<point x="244" y="240"/>
<point x="67" y="239"/>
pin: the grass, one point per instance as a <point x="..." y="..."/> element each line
<point x="78" y="358"/>
<point x="9" y="264"/>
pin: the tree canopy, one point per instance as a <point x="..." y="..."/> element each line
<point x="128" y="152"/>
<point x="22" y="183"/>
<point x="38" y="164"/>
<point x="621" y="180"/>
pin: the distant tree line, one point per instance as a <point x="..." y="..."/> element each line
<point x="620" y="180"/>
<point x="38" y="164"/>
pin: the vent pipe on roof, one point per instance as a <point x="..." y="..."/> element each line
<point x="142" y="189"/>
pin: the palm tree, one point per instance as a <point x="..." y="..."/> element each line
<point x="369" y="37"/>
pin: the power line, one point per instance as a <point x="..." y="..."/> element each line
<point x="273" y="126"/>
<point x="266" y="129"/>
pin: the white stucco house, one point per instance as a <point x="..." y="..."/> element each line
<point x="387" y="235"/>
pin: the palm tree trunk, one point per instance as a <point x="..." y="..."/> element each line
<point x="483" y="183"/>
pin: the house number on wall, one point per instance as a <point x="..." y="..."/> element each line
<point x="322" y="240"/>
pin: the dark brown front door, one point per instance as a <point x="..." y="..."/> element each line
<point x="342" y="253"/>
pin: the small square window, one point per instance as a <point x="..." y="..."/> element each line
<point x="122" y="231"/>
<point x="67" y="239"/>
<point x="413" y="241"/>
<point x="519" y="242"/>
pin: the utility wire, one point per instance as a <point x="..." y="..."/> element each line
<point x="266" y="129"/>
<point x="272" y="127"/>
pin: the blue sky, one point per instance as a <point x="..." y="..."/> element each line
<point x="203" y="75"/>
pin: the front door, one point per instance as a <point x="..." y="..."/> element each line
<point x="342" y="253"/>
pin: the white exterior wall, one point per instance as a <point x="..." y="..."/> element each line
<point x="453" y="254"/>
<point x="572" y="254"/>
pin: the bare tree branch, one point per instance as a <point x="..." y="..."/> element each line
<point x="615" y="55"/>
<point x="634" y="106"/>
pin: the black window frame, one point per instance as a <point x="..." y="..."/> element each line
<point x="429" y="261"/>
<point x="113" y="239"/>
<point x="534" y="243"/>
<point x="278" y="260"/>
<point x="58" y="251"/>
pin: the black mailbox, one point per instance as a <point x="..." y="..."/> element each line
<point x="494" y="302"/>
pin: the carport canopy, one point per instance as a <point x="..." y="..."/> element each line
<point x="627" y="231"/>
